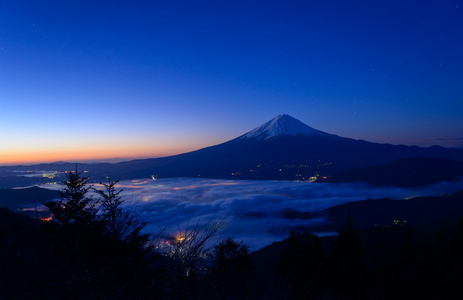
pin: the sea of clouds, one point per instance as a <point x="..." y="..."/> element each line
<point x="251" y="211"/>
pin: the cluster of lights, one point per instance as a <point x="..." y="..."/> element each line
<point x="51" y="175"/>
<point x="399" y="222"/>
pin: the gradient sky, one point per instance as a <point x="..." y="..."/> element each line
<point x="104" y="79"/>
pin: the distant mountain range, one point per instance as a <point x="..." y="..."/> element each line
<point x="282" y="148"/>
<point x="404" y="172"/>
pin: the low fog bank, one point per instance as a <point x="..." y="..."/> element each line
<point x="257" y="212"/>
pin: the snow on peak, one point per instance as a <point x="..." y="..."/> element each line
<point x="281" y="124"/>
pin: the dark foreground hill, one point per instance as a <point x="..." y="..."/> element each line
<point x="385" y="249"/>
<point x="395" y="261"/>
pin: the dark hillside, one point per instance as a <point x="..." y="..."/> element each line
<point x="18" y="198"/>
<point x="415" y="212"/>
<point x="404" y="172"/>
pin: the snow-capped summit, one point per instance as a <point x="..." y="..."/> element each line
<point x="281" y="125"/>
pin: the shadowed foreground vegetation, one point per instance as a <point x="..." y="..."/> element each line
<point x="94" y="249"/>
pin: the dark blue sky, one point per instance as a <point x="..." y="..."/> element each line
<point x="85" y="80"/>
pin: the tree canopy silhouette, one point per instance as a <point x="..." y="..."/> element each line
<point x="75" y="206"/>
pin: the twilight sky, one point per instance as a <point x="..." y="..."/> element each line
<point x="103" y="79"/>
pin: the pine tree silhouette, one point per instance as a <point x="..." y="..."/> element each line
<point x="347" y="265"/>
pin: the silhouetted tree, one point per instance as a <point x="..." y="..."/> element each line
<point x="74" y="223"/>
<point x="121" y="228"/>
<point x="75" y="206"/>
<point x="119" y="223"/>
<point x="102" y="254"/>
<point x="229" y="253"/>
<point x="347" y="264"/>
<point x="231" y="276"/>
<point x="301" y="266"/>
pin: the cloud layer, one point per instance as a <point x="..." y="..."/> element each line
<point x="254" y="211"/>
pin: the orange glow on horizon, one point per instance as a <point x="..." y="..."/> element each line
<point x="84" y="155"/>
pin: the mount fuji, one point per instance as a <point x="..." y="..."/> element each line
<point x="281" y="125"/>
<point x="282" y="148"/>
